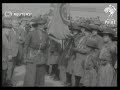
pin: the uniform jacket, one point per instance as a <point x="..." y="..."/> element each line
<point x="13" y="43"/>
<point x="37" y="41"/>
<point x="5" y="42"/>
<point x="5" y="47"/>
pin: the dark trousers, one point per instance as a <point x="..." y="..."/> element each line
<point x="11" y="67"/>
<point x="47" y="69"/>
<point x="4" y="74"/>
<point x="40" y="75"/>
<point x="68" y="78"/>
<point x="19" y="57"/>
<point x="77" y="81"/>
<point x="55" y="70"/>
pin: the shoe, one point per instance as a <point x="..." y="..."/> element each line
<point x="8" y="85"/>
<point x="56" y="78"/>
<point x="68" y="84"/>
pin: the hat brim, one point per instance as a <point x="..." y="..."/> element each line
<point x="93" y="47"/>
<point x="106" y="34"/>
<point x="41" y="23"/>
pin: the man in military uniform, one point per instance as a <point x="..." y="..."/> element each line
<point x="37" y="55"/>
<point x="21" y="33"/>
<point x="5" y="48"/>
<point x="13" y="48"/>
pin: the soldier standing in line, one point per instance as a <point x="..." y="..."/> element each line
<point x="105" y="69"/>
<point x="13" y="49"/>
<point x="21" y="33"/>
<point x="81" y="52"/>
<point x="37" y="56"/>
<point x="5" y="49"/>
<point x="71" y="56"/>
<point x="90" y="64"/>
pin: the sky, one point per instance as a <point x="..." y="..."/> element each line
<point x="77" y="9"/>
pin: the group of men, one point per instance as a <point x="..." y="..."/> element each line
<point x="89" y="55"/>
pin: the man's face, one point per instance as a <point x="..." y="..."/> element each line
<point x="83" y="30"/>
<point x="40" y="26"/>
<point x="75" y="32"/>
<point x="104" y="62"/>
<point x="23" y="23"/>
<point x="87" y="33"/>
<point x="15" y="24"/>
<point x="94" y="32"/>
<point x="106" y="38"/>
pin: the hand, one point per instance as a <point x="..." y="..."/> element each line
<point x="9" y="57"/>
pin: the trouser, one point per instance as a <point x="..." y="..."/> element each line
<point x="62" y="73"/>
<point x="4" y="74"/>
<point x="68" y="78"/>
<point x="30" y="75"/>
<point x="47" y="69"/>
<point x="19" y="57"/>
<point x="77" y="80"/>
<point x="40" y="75"/>
<point x="55" y="70"/>
<point x="11" y="66"/>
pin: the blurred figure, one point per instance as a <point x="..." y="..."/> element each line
<point x="90" y="63"/>
<point x="36" y="59"/>
<point x="81" y="53"/>
<point x="106" y="70"/>
<point x="21" y="33"/>
<point x="54" y="51"/>
<point x="5" y="49"/>
<point x="13" y="49"/>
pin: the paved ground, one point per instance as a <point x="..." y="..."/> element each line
<point x="18" y="78"/>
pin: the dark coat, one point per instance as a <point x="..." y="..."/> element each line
<point x="37" y="41"/>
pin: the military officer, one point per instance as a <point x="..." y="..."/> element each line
<point x="5" y="49"/>
<point x="37" y="55"/>
<point x="13" y="48"/>
<point x="21" y="33"/>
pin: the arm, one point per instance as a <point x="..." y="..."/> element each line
<point x="83" y="50"/>
<point x="27" y="42"/>
<point x="5" y="39"/>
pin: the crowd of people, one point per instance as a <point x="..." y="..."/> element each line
<point x="87" y="58"/>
